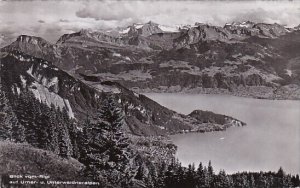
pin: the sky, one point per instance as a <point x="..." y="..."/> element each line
<point x="51" y="19"/>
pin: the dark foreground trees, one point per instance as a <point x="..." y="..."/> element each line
<point x="105" y="147"/>
<point x="177" y="176"/>
<point x="10" y="128"/>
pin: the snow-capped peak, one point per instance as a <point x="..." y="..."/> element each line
<point x="171" y="29"/>
<point x="31" y="39"/>
<point x="297" y="27"/>
<point x="124" y="31"/>
<point x="245" y="24"/>
<point x="138" y="25"/>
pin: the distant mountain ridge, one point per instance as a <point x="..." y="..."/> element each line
<point x="245" y="59"/>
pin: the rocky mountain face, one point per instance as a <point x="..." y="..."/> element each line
<point x="245" y="59"/>
<point x="49" y="85"/>
<point x="145" y="30"/>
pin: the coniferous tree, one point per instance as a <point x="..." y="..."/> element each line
<point x="74" y="137"/>
<point x="270" y="181"/>
<point x="26" y="112"/>
<point x="5" y="117"/>
<point x="222" y="180"/>
<point x="262" y="180"/>
<point x="10" y="128"/>
<point x="72" y="133"/>
<point x="252" y="181"/>
<point x="149" y="183"/>
<point x="230" y="179"/>
<point x="181" y="174"/>
<point x="287" y="181"/>
<point x="295" y="181"/>
<point x="53" y="129"/>
<point x="238" y="181"/>
<point x="169" y="177"/>
<point x="64" y="141"/>
<point x="206" y="177"/>
<point x="42" y="128"/>
<point x="245" y="182"/>
<point x="210" y="173"/>
<point x="152" y="175"/>
<point x="107" y="146"/>
<point x="84" y="140"/>
<point x="18" y="132"/>
<point x="190" y="176"/>
<point x="280" y="175"/>
<point x="160" y="179"/>
<point x="115" y="142"/>
<point x="91" y="149"/>
<point x="200" y="176"/>
<point x="140" y="175"/>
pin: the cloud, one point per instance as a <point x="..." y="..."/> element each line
<point x="108" y="11"/>
<point x="284" y="17"/>
<point x="3" y="41"/>
<point x="188" y="12"/>
<point x="63" y="20"/>
<point x="46" y="19"/>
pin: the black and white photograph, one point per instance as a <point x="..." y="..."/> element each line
<point x="149" y="93"/>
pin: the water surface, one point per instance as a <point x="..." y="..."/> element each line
<point x="271" y="138"/>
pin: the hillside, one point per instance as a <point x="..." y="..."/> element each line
<point x="21" y="159"/>
<point x="49" y="85"/>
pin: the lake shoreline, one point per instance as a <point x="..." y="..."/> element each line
<point x="264" y="144"/>
<point x="291" y="92"/>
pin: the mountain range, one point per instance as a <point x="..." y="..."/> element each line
<point x="245" y="59"/>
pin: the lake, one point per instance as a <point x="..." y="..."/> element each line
<point x="271" y="138"/>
